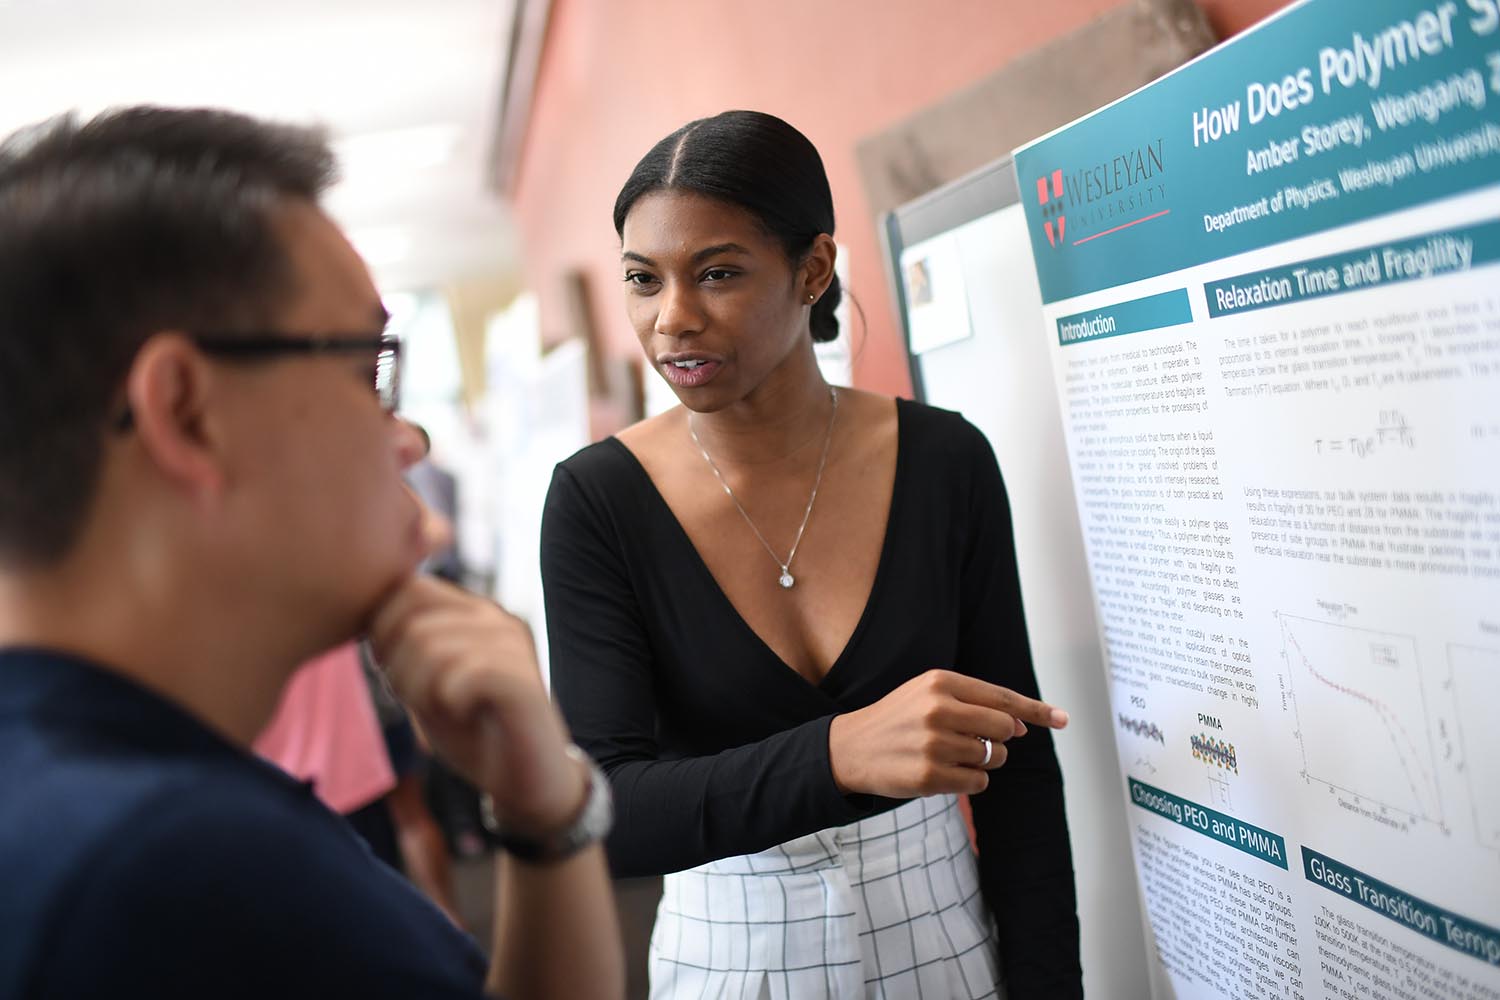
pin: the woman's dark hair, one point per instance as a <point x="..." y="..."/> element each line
<point x="759" y="163"/>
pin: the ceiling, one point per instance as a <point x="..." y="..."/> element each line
<point x="409" y="91"/>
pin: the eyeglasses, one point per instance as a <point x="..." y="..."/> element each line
<point x="385" y="378"/>
<point x="255" y="347"/>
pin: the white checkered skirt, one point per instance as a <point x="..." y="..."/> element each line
<point x="884" y="909"/>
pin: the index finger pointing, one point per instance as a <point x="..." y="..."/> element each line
<point x="979" y="692"/>
<point x="1031" y="710"/>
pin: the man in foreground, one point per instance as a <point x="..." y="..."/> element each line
<point x="200" y="487"/>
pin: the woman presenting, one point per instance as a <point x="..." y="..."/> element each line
<point x="785" y="619"/>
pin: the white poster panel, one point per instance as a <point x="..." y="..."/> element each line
<point x="1271" y="286"/>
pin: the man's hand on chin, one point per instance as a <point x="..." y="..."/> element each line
<point x="468" y="671"/>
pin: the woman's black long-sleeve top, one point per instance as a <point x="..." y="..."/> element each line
<point x="715" y="747"/>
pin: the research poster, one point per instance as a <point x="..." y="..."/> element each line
<point x="1271" y="286"/>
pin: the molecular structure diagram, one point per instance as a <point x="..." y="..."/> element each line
<point x="1140" y="728"/>
<point x="1212" y="751"/>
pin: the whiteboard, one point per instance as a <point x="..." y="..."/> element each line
<point x="999" y="376"/>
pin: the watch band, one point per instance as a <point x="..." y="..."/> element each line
<point x="591" y="824"/>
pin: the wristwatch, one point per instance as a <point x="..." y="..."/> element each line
<point x="591" y="824"/>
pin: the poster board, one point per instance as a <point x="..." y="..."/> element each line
<point x="1247" y="403"/>
<point x="1270" y="288"/>
<point x="991" y="366"/>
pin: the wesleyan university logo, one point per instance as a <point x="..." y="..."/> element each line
<point x="1106" y="197"/>
<point x="1054" y="221"/>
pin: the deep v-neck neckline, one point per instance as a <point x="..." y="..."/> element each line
<point x="861" y="625"/>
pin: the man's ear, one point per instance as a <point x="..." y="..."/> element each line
<point x="817" y="265"/>
<point x="169" y="388"/>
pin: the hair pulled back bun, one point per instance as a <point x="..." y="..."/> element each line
<point x="759" y="163"/>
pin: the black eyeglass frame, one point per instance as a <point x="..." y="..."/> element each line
<point x="265" y="346"/>
<point x="253" y="346"/>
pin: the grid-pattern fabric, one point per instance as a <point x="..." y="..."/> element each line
<point x="884" y="909"/>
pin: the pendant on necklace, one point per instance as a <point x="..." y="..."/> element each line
<point x="786" y="580"/>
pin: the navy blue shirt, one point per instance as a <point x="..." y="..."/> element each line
<point x="143" y="855"/>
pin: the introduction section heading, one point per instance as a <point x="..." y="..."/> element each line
<point x="1150" y="313"/>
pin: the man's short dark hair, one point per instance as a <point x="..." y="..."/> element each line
<point x="137" y="221"/>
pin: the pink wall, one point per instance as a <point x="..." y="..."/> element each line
<point x="1230" y="17"/>
<point x="617" y="76"/>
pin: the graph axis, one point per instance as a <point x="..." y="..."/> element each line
<point x="1464" y="744"/>
<point x="1363" y="795"/>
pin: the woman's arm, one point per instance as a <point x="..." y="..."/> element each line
<point x="670" y="814"/>
<point x="1025" y="860"/>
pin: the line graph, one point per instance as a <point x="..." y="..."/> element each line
<point x="1361" y="714"/>
<point x="1476" y="690"/>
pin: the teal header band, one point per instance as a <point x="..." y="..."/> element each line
<point x="1445" y="252"/>
<point x="1226" y="829"/>
<point x="1459" y="933"/>
<point x="1323" y="115"/>
<point x="1151" y="313"/>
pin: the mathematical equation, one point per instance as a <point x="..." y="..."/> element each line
<point x="1392" y="433"/>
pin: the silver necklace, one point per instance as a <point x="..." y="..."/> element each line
<point x="785" y="579"/>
